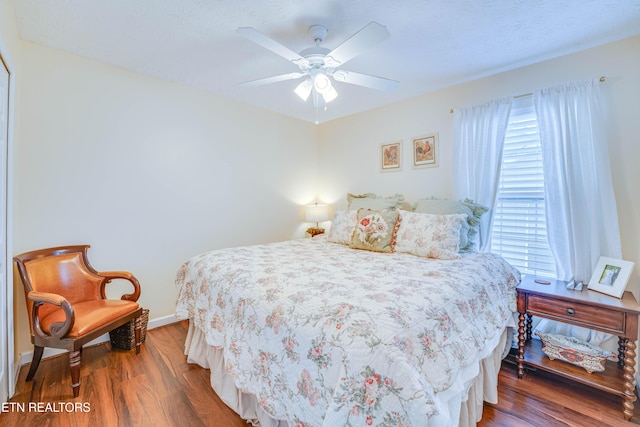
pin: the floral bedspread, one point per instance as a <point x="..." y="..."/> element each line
<point x="325" y="335"/>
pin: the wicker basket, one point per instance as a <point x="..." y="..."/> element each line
<point x="124" y="337"/>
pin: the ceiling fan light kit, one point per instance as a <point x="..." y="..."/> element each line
<point x="318" y="64"/>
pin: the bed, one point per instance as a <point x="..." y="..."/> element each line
<point x="315" y="332"/>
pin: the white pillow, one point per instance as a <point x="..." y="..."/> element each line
<point x="469" y="234"/>
<point x="430" y="235"/>
<point x="344" y="222"/>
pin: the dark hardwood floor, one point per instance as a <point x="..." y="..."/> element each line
<point x="158" y="388"/>
<point x="155" y="388"/>
<point x="543" y="400"/>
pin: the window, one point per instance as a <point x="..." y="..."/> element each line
<point x="519" y="227"/>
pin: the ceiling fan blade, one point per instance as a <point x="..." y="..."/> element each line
<point x="273" y="79"/>
<point x="269" y="43"/>
<point x="379" y="83"/>
<point x="372" y="34"/>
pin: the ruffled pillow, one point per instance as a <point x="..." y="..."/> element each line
<point x="375" y="230"/>
<point x="373" y="201"/>
<point x="473" y="211"/>
<point x="431" y="236"/>
<point x="344" y="222"/>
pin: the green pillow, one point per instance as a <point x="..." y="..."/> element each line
<point x="372" y="201"/>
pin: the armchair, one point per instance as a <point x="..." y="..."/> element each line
<point x="67" y="304"/>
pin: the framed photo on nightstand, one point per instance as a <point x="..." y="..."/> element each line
<point x="611" y="276"/>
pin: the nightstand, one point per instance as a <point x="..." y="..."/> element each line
<point x="588" y="309"/>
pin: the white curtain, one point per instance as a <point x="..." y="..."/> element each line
<point x="581" y="214"/>
<point x="477" y="155"/>
<point x="582" y="219"/>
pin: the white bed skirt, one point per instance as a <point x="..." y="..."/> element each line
<point x="460" y="405"/>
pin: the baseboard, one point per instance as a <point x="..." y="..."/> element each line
<point x="158" y="322"/>
<point x="162" y="321"/>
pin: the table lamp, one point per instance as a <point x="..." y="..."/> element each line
<point x="316" y="213"/>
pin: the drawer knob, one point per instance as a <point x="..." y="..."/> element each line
<point x="570" y="311"/>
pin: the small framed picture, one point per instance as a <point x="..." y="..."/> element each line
<point x="425" y="151"/>
<point x="611" y="276"/>
<point x="391" y="156"/>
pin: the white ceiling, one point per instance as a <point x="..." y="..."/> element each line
<point x="433" y="44"/>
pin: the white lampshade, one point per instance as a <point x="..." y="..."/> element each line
<point x="303" y="90"/>
<point x="321" y="83"/>
<point x="330" y="95"/>
<point x="316" y="213"/>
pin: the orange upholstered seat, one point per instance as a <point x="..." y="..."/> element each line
<point x="90" y="315"/>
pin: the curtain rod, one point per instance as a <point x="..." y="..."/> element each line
<point x="529" y="94"/>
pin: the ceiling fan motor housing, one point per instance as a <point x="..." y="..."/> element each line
<point x="317" y="55"/>
<point x="317" y="59"/>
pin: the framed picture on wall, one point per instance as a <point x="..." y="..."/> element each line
<point x="425" y="151"/>
<point x="611" y="276"/>
<point x="391" y="156"/>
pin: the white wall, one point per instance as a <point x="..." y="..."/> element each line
<point x="350" y="147"/>
<point x="149" y="172"/>
<point x="350" y="151"/>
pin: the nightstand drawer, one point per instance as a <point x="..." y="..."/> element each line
<point x="587" y="315"/>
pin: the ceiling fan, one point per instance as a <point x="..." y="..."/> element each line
<point x="317" y="64"/>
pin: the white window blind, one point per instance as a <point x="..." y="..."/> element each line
<point x="519" y="228"/>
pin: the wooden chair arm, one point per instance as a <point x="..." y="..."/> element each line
<point x="110" y="275"/>
<point x="40" y="297"/>
<point x="60" y="329"/>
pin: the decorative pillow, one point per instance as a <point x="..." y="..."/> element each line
<point x="468" y="239"/>
<point x="372" y="201"/>
<point x="375" y="230"/>
<point x="431" y="236"/>
<point x="344" y="222"/>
